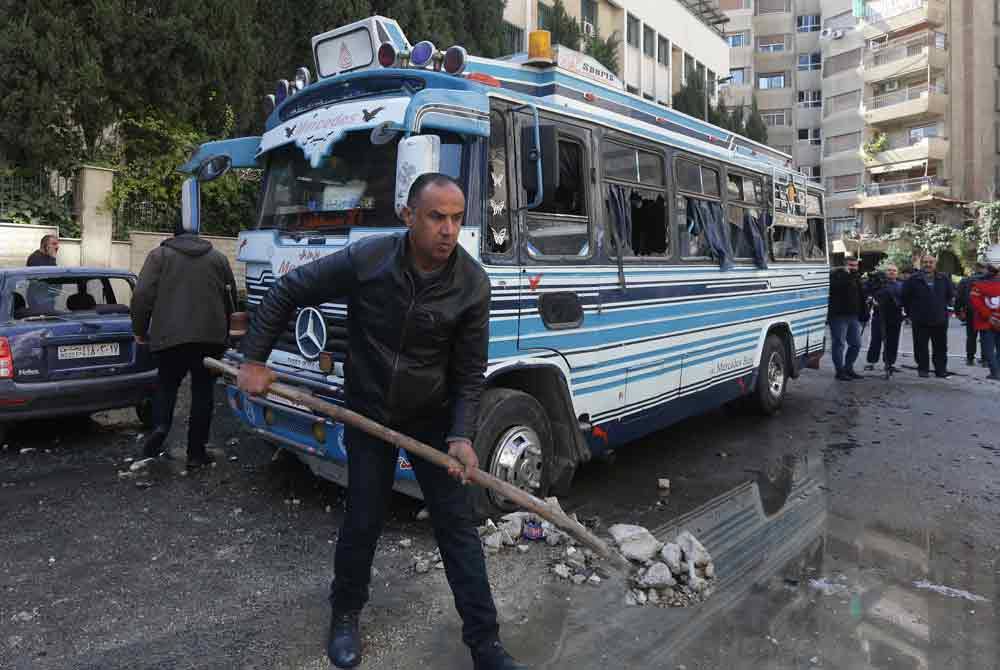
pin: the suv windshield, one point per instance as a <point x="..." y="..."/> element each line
<point x="355" y="185"/>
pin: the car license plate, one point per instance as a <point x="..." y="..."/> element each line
<point x="74" y="351"/>
<point x="284" y="401"/>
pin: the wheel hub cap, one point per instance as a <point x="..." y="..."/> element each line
<point x="775" y="375"/>
<point x="517" y="459"/>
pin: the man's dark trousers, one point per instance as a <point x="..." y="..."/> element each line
<point x="875" y="344"/>
<point x="891" y="329"/>
<point x="971" y="339"/>
<point x="173" y="365"/>
<point x="937" y="337"/>
<point x="371" y="465"/>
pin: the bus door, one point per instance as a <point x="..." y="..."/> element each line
<point x="558" y="295"/>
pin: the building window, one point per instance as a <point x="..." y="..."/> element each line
<point x="544" y="17"/>
<point x="632" y="31"/>
<point x="810" y="135"/>
<point x="838" y="143"/>
<point x="842" y="20"/>
<point x="808" y="23"/>
<point x="843" y="183"/>
<point x="771" y="43"/>
<point x="808" y="99"/>
<point x="918" y="133"/>
<point x="648" y="41"/>
<point x="732" y="5"/>
<point x="848" y="60"/>
<point x="740" y="39"/>
<point x="811" y="61"/>
<point x="843" y="102"/>
<point x="771" y="80"/>
<point x="738" y="76"/>
<point x="662" y="51"/>
<point x="784" y="148"/>
<point x="774" y="117"/>
<point x="588" y="10"/>
<point x="813" y="172"/>
<point x="513" y="38"/>
<point x="773" y="6"/>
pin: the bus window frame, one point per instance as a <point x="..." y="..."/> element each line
<point x="511" y="256"/>
<point x="637" y="144"/>
<point x="679" y="193"/>
<point x="756" y="180"/>
<point x="584" y="135"/>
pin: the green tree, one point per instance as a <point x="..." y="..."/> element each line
<point x="564" y="28"/>
<point x="719" y="114"/>
<point x="737" y="124"/>
<point x="755" y="128"/>
<point x="604" y="51"/>
<point x="691" y="98"/>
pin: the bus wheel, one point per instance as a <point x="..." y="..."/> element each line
<point x="513" y="439"/>
<point x="772" y="376"/>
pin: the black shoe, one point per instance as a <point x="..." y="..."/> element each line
<point x="344" y="646"/>
<point x="923" y="373"/>
<point x="492" y="656"/>
<point x="843" y="377"/>
<point x="153" y="445"/>
<point x="942" y="375"/>
<point x="971" y="362"/>
<point x="995" y="378"/>
<point x="853" y="375"/>
<point x="199" y="461"/>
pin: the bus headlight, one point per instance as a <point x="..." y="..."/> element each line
<point x="422" y="54"/>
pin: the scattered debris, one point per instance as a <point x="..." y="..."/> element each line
<point x="24" y="617"/>
<point x="405" y="543"/>
<point x="523" y="548"/>
<point x="827" y="587"/>
<point x="684" y="573"/>
<point x="561" y="570"/>
<point x="635" y="542"/>
<point x="234" y="458"/>
<point x="439" y="565"/>
<point x="663" y="484"/>
<point x="141" y="464"/>
<point x="578" y="578"/>
<point x="949" y="591"/>
<point x="493" y="542"/>
<point x="594" y="580"/>
<point x="421" y="566"/>
<point x="27" y="450"/>
<point x="423" y="515"/>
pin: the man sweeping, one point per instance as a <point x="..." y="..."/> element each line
<point x="418" y="331"/>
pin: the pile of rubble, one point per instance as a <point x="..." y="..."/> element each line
<point x="674" y="574"/>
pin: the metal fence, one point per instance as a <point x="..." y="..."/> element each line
<point x="45" y="198"/>
<point x="143" y="216"/>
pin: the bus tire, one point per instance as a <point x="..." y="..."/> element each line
<point x="512" y="443"/>
<point x="772" y="376"/>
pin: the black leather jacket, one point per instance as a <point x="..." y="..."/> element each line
<point x="411" y="356"/>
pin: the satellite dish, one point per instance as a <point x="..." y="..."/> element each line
<point x="383" y="133"/>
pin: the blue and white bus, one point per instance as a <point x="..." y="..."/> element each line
<point x="645" y="266"/>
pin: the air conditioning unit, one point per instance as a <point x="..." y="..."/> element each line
<point x="588" y="29"/>
<point x="891" y="86"/>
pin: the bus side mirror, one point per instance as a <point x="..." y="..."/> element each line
<point x="539" y="158"/>
<point x="415" y="156"/>
<point x="191" y="205"/>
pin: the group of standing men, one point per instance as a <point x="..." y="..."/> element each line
<point x="925" y="298"/>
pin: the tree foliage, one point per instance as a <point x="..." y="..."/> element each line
<point x="564" y="28"/>
<point x="755" y="128"/>
<point x="604" y="51"/>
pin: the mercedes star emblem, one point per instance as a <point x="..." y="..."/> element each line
<point x="310" y="332"/>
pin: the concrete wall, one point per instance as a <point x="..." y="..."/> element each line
<point x="93" y="184"/>
<point x="143" y="243"/>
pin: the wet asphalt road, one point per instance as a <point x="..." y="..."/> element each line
<point x="884" y="556"/>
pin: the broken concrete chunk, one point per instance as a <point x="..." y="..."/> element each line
<point x="576" y="564"/>
<point x="657" y="576"/>
<point x="493" y="542"/>
<point x="671" y="555"/>
<point x="561" y="570"/>
<point x="710" y="571"/>
<point x="141" y="464"/>
<point x="523" y="548"/>
<point x="663" y="484"/>
<point x="421" y="566"/>
<point x="405" y="543"/>
<point x="694" y="582"/>
<point x="594" y="580"/>
<point x="423" y="515"/>
<point x="635" y="542"/>
<point x="692" y="549"/>
<point x="653" y="596"/>
<point x="511" y="530"/>
<point x="578" y="579"/>
<point x="640" y="596"/>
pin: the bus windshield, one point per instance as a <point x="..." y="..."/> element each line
<point x="355" y="185"/>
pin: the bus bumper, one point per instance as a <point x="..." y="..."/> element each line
<point x="316" y="441"/>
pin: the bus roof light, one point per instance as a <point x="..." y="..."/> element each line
<point x="540" y="47"/>
<point x="422" y="54"/>
<point x="282" y="91"/>
<point x="302" y="78"/>
<point x="455" y="59"/>
<point x="387" y="54"/>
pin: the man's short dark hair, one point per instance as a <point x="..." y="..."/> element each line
<point x="46" y="238"/>
<point x="421" y="183"/>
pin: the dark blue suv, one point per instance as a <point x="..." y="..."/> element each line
<point x="66" y="345"/>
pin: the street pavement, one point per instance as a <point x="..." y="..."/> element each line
<point x="856" y="529"/>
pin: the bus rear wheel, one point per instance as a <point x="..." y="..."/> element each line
<point x="512" y="443"/>
<point x="772" y="376"/>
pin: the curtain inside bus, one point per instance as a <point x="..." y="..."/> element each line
<point x="706" y="218"/>
<point x="755" y="227"/>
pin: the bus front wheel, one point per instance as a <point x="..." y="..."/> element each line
<point x="772" y="376"/>
<point x="512" y="443"/>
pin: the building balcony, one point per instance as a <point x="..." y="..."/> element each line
<point x="889" y="16"/>
<point x="908" y="155"/>
<point x="909" y="104"/>
<point x="902" y="57"/>
<point x="775" y="61"/>
<point x="892" y="194"/>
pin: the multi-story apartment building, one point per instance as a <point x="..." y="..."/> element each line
<point x="661" y="41"/>
<point x="894" y="104"/>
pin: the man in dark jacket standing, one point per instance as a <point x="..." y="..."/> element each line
<point x="847" y="310"/>
<point x="418" y="333"/>
<point x="182" y="303"/>
<point x="963" y="310"/>
<point x="926" y="296"/>
<point x="46" y="252"/>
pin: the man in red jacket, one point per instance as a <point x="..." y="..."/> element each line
<point x="984" y="298"/>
